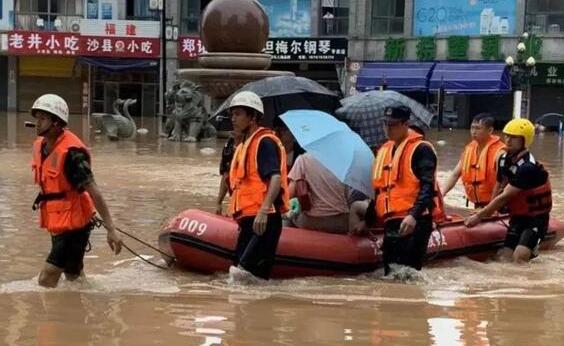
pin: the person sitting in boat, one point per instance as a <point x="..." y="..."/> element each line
<point x="224" y="164"/>
<point x="524" y="187"/>
<point x="259" y="185"/>
<point x="328" y="208"/>
<point x="478" y="163"/>
<point x="293" y="149"/>
<point x="407" y="199"/>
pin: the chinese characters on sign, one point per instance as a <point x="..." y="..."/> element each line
<point x="426" y="48"/>
<point x="458" y="47"/>
<point x="43" y="43"/>
<point x="126" y="47"/>
<point x="190" y="47"/>
<point x="548" y="74"/>
<point x="395" y="49"/>
<point x="491" y="47"/>
<point x="68" y="44"/>
<point x="290" y="49"/>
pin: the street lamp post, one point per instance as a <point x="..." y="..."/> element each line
<point x="522" y="69"/>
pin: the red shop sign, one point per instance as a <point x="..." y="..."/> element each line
<point x="43" y="43"/>
<point x="122" y="47"/>
<point x="190" y="47"/>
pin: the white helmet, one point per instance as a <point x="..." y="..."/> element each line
<point x="247" y="99"/>
<point x="53" y="104"/>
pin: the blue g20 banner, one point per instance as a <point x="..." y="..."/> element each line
<point x="288" y="18"/>
<point x="464" y="17"/>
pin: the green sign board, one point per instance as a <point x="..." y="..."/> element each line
<point x="548" y="74"/>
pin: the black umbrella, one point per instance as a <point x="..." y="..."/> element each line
<point x="284" y="93"/>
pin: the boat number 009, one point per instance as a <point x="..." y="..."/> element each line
<point x="193" y="226"/>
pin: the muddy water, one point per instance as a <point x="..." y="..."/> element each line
<point x="126" y="302"/>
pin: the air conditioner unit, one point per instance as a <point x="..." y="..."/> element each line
<point x="75" y="26"/>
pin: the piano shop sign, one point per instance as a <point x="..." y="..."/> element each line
<point x="307" y="49"/>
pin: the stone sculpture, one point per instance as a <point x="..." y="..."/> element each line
<point x="118" y="126"/>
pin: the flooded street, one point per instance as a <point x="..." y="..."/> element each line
<point x="127" y="302"/>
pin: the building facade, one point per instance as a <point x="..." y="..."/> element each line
<point x="465" y="31"/>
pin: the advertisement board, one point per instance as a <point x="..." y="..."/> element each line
<point x="464" y="17"/>
<point x="290" y="18"/>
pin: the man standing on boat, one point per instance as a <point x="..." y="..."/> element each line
<point x="524" y="187"/>
<point x="69" y="196"/>
<point x="478" y="164"/>
<point x="258" y="179"/>
<point x="406" y="198"/>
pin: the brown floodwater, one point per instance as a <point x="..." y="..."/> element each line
<point x="127" y="302"/>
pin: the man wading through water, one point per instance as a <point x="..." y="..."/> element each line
<point x="69" y="196"/>
<point x="258" y="179"/>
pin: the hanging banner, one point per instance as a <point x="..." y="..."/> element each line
<point x="121" y="47"/>
<point x="288" y="18"/>
<point x="464" y="17"/>
<point x="43" y="43"/>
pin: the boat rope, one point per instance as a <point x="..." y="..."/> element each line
<point x="99" y="222"/>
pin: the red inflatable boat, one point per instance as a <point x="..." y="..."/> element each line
<point x="205" y="243"/>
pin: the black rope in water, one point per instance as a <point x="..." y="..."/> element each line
<point x="144" y="259"/>
<point x="99" y="222"/>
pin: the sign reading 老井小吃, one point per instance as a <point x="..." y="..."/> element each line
<point x="464" y="17"/>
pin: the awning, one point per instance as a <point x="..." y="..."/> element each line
<point x="471" y="78"/>
<point x="396" y="76"/>
<point x="119" y="64"/>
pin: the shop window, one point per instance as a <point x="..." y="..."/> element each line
<point x="387" y="17"/>
<point x="545" y="16"/>
<point x="334" y="17"/>
<point x="190" y="15"/>
<point x="139" y="10"/>
<point x="47" y="15"/>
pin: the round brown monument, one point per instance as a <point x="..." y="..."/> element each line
<point x="234" y="33"/>
<point x="239" y="26"/>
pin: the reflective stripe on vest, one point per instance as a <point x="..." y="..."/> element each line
<point x="479" y="173"/>
<point x="397" y="185"/>
<point x="249" y="190"/>
<point x="75" y="209"/>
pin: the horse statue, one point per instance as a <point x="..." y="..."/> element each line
<point x="118" y="126"/>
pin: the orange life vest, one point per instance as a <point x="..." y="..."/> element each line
<point x="530" y="202"/>
<point x="479" y="173"/>
<point x="249" y="190"/>
<point x="395" y="182"/>
<point x="63" y="208"/>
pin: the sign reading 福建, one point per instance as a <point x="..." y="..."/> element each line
<point x="120" y="28"/>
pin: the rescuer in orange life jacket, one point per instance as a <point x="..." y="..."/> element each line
<point x="524" y="187"/>
<point x="259" y="185"/>
<point x="407" y="199"/>
<point x="69" y="196"/>
<point x="478" y="164"/>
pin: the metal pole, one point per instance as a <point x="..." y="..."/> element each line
<point x="162" y="71"/>
<point x="440" y="108"/>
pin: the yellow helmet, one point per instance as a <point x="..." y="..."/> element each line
<point x="521" y="127"/>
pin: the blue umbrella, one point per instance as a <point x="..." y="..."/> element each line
<point x="335" y="145"/>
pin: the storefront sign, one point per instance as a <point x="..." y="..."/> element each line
<point x="189" y="47"/>
<point x="120" y="28"/>
<point x="288" y="49"/>
<point x="43" y="43"/>
<point x="464" y="17"/>
<point x="126" y="47"/>
<point x="307" y="49"/>
<point x="548" y="74"/>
